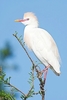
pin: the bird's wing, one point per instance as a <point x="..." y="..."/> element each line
<point x="45" y="48"/>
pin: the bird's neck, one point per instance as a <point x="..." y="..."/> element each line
<point x="33" y="24"/>
<point x="30" y="27"/>
<point x="27" y="35"/>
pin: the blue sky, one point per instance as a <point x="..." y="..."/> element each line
<point x="52" y="16"/>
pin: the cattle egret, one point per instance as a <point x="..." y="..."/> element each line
<point x="40" y="42"/>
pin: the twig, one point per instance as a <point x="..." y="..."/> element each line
<point x="23" y="48"/>
<point x="39" y="74"/>
<point x="14" y="87"/>
<point x="42" y="83"/>
<point x="32" y="82"/>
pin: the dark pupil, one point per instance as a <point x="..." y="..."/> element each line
<point x="27" y="18"/>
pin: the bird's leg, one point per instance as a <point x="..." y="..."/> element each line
<point x="45" y="68"/>
<point x="45" y="71"/>
<point x="45" y="74"/>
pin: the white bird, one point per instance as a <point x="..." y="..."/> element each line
<point x="40" y="42"/>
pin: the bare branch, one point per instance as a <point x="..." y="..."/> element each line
<point x="23" y="48"/>
<point x="13" y="87"/>
<point x="39" y="73"/>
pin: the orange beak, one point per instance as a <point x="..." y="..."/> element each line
<point x="21" y="20"/>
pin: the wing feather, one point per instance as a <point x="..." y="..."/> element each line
<point x="45" y="48"/>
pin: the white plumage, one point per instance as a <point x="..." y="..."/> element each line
<point x="40" y="42"/>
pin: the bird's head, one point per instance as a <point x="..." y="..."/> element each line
<point x="29" y="18"/>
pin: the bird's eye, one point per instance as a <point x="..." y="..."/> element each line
<point x="27" y="18"/>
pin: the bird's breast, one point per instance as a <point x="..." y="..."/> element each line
<point x="27" y="39"/>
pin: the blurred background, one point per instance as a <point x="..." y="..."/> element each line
<point x="52" y="16"/>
